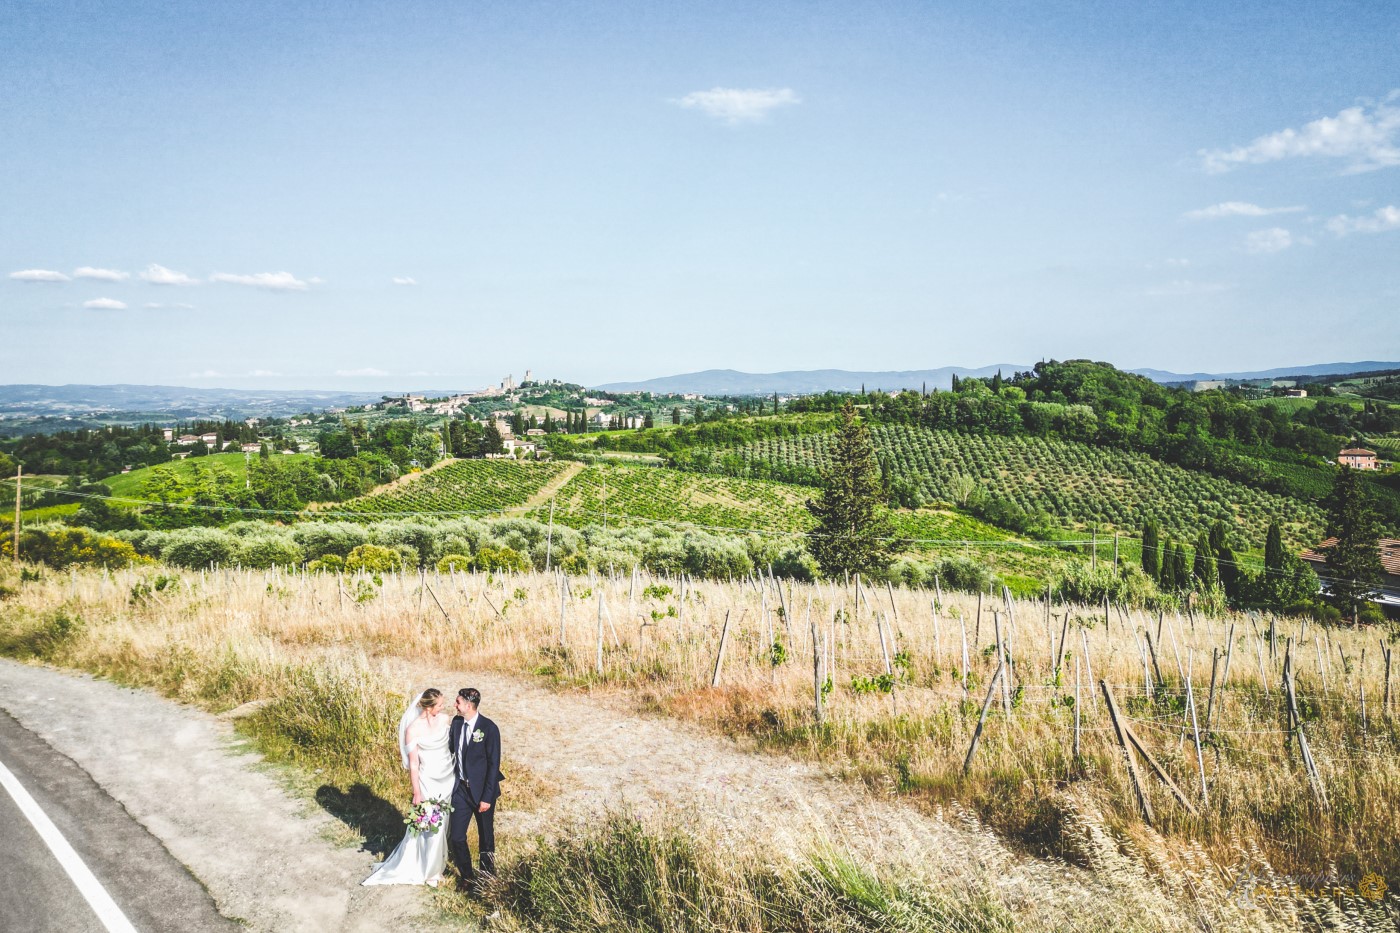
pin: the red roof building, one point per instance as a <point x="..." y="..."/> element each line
<point x="1358" y="458"/>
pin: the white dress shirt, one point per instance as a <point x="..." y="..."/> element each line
<point x="463" y="738"/>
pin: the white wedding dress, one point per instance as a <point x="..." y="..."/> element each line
<point x="421" y="859"/>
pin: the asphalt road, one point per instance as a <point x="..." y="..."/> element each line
<point x="154" y="891"/>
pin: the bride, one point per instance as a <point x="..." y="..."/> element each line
<point x="423" y="748"/>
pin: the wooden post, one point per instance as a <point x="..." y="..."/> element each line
<point x="982" y="719"/>
<point x="977" y="623"/>
<point x="719" y="655"/>
<point x="1158" y="770"/>
<point x="600" y="631"/>
<point x="1385" y="703"/>
<point x="1152" y="650"/>
<point x="962" y="624"/>
<point x="1076" y="707"/>
<point x="1210" y="694"/>
<point x="1196" y="737"/>
<point x="1001" y="656"/>
<point x="1229" y="653"/>
<point x="1060" y="654"/>
<point x="937" y="637"/>
<point x="19" y="479"/>
<point x="1143" y="803"/>
<point x="563" y="588"/>
<point x="1295" y="722"/>
<point x="816" y="674"/>
<point x="1088" y="663"/>
<point x="549" y="538"/>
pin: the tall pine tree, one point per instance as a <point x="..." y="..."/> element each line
<point x="851" y="522"/>
<point x="1354" y="562"/>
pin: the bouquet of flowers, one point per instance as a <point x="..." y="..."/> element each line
<point x="428" y="817"/>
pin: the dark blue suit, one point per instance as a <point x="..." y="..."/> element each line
<point x="477" y="764"/>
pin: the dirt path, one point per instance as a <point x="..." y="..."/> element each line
<point x="551" y="488"/>
<point x="181" y="773"/>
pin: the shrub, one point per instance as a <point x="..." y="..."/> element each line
<point x="60" y="546"/>
<point x="269" y="551"/>
<point x="373" y="558"/>
<point x="317" y="539"/>
<point x="199" y="547"/>
<point x="454" y="563"/>
<point x="492" y="558"/>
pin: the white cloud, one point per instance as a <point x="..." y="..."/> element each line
<point x="38" y="275"/>
<point x="367" y="371"/>
<point x="105" y="304"/>
<point x="1238" y="209"/>
<point x="1366" y="138"/>
<point x="273" y="281"/>
<point x="739" y="105"/>
<point x="1385" y="218"/>
<point x="157" y="274"/>
<point x="404" y="280"/>
<point x="102" y="275"/>
<point x="154" y="305"/>
<point x="1272" y="240"/>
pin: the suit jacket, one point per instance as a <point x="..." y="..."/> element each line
<point x="480" y="760"/>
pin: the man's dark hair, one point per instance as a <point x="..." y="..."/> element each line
<point x="471" y="695"/>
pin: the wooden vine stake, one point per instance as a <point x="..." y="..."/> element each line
<point x="1121" y="733"/>
<point x="982" y="719"/>
<point x="816" y="673"/>
<point x="719" y="655"/>
<point x="1295" y="725"/>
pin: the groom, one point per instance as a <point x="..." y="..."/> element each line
<point x="476" y="756"/>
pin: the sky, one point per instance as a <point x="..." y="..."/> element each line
<point x="435" y="195"/>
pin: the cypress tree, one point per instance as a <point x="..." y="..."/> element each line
<point x="851" y="523"/>
<point x="1151" y="551"/>
<point x="1274" y="558"/>
<point x="1203" y="567"/>
<point x="1166" y="576"/>
<point x="1181" y="567"/>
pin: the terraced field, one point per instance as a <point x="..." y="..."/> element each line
<point x="1075" y="483"/>
<point x="460" y="487"/>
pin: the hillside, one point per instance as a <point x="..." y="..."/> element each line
<point x="133" y="484"/>
<point x="1074" y="483"/>
<point x="461" y="487"/>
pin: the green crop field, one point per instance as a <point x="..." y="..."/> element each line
<point x="133" y="484"/>
<point x="461" y="486"/>
<point x="1074" y="483"/>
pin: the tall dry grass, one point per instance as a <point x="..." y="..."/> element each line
<point x="899" y="712"/>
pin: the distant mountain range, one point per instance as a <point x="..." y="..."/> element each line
<point x="175" y="401"/>
<point x="799" y="382"/>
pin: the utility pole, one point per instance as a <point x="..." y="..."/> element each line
<point x="19" y="475"/>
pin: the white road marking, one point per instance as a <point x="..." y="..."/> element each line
<point x="87" y="884"/>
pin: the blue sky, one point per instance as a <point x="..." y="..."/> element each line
<point x="435" y="195"/>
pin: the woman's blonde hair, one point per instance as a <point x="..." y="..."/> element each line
<point x="429" y="698"/>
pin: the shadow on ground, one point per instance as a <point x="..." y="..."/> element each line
<point x="365" y="812"/>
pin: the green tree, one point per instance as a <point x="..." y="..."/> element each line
<point x="1151" y="551"/>
<point x="1166" y="576"/>
<point x="1203" y="568"/>
<point x="852" y="526"/>
<point x="676" y="415"/>
<point x="1274" y="555"/>
<point x="1354" y="562"/>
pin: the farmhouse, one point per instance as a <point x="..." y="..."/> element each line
<point x="188" y="439"/>
<point x="1358" y="458"/>
<point x="251" y="448"/>
<point x="1295" y="393"/>
<point x="1389" y="597"/>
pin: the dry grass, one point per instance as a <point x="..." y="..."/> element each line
<point x="221" y="639"/>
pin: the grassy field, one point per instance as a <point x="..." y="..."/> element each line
<point x="133" y="484"/>
<point x="901" y="726"/>
<point x="1075" y="483"/>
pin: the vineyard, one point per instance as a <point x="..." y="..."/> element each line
<point x="1075" y="483"/>
<point x="459" y="487"/>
